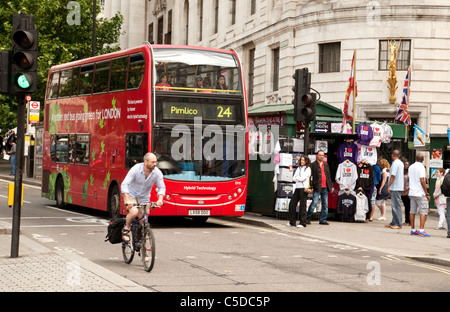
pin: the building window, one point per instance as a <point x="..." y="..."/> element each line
<point x="168" y="36"/>
<point x="276" y="68"/>
<point x="150" y="33"/>
<point x="253" y="7"/>
<point x="216" y="16"/>
<point x="251" y="75"/>
<point x="160" y="30"/>
<point x="403" y="57"/>
<point x="200" y="11"/>
<point x="330" y="57"/>
<point x="186" y="18"/>
<point x="233" y="12"/>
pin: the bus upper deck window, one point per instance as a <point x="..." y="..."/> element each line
<point x="136" y="71"/>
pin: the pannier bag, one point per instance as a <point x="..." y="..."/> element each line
<point x="115" y="226"/>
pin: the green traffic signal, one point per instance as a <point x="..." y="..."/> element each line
<point x="23" y="82"/>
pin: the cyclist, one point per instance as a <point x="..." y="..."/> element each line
<point x="136" y="188"/>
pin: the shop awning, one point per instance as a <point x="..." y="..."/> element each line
<point x="271" y="109"/>
<point x="322" y="109"/>
<point x="324" y="112"/>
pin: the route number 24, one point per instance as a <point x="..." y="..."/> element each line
<point x="222" y="112"/>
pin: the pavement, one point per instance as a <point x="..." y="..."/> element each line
<point x="40" y="269"/>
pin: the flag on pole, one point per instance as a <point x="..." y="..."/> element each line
<point x="402" y="109"/>
<point x="348" y="109"/>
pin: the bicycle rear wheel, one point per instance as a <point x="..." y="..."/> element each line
<point x="148" y="250"/>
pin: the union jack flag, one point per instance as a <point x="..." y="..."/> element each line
<point x="402" y="109"/>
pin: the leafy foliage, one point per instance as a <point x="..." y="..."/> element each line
<point x="59" y="41"/>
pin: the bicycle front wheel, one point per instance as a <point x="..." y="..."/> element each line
<point x="128" y="251"/>
<point x="148" y="249"/>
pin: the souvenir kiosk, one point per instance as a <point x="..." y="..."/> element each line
<point x="269" y="191"/>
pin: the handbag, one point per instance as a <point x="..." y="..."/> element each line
<point x="309" y="189"/>
<point x="5" y="156"/>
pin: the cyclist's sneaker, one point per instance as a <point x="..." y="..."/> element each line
<point x="424" y="234"/>
<point x="414" y="232"/>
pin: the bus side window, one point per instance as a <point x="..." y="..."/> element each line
<point x="101" y="77"/>
<point x="83" y="151"/>
<point x="61" y="151"/>
<point x="65" y="84"/>
<point x="76" y="79"/>
<point x="119" y="74"/>
<point x="52" y="91"/>
<point x="136" y="71"/>
<point x="86" y="78"/>
<point x="135" y="149"/>
<point x="72" y="149"/>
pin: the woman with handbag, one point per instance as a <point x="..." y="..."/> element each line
<point x="302" y="187"/>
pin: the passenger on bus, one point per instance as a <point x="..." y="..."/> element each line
<point x="198" y="82"/>
<point x="221" y="84"/>
<point x="163" y="83"/>
<point x="207" y="85"/>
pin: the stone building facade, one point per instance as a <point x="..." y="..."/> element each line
<point x="275" y="37"/>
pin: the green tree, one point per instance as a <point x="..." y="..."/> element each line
<point x="61" y="40"/>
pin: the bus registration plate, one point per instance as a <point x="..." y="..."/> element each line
<point x="199" y="212"/>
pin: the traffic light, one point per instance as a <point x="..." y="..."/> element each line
<point x="304" y="101"/>
<point x="5" y="71"/>
<point x="24" y="54"/>
<point x="308" y="111"/>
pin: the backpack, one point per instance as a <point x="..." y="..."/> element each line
<point x="114" y="235"/>
<point x="445" y="187"/>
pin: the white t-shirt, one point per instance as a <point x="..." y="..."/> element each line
<point x="367" y="153"/>
<point x="415" y="172"/>
<point x="378" y="134"/>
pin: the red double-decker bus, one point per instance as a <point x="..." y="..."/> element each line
<point x="185" y="104"/>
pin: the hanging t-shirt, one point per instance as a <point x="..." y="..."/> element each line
<point x="387" y="133"/>
<point x="362" y="207"/>
<point x="347" y="150"/>
<point x="367" y="153"/>
<point x="365" y="176"/>
<point x="346" y="205"/>
<point x="378" y="133"/>
<point x="254" y="142"/>
<point x="365" y="133"/>
<point x="346" y="176"/>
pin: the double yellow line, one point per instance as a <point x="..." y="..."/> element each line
<point x="422" y="265"/>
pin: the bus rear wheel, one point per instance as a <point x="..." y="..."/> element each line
<point x="59" y="193"/>
<point x="114" y="202"/>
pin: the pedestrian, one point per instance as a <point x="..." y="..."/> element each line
<point x="12" y="157"/>
<point x="395" y="189"/>
<point x="439" y="199"/>
<point x="405" y="197"/>
<point x="301" y="179"/>
<point x="376" y="180"/>
<point x="418" y="195"/>
<point x="321" y="180"/>
<point x="382" y="193"/>
<point x="446" y="184"/>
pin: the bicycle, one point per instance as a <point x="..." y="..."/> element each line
<point x="142" y="239"/>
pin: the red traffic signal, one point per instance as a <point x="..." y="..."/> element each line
<point x="25" y="39"/>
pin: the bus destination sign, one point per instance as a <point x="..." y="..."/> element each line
<point x="208" y="111"/>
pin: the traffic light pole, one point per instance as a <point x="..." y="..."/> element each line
<point x="306" y="138"/>
<point x="20" y="146"/>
